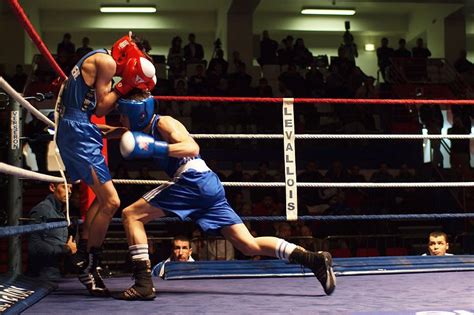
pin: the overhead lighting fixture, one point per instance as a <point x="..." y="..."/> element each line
<point x="127" y="9"/>
<point x="369" y="47"/>
<point x="328" y="11"/>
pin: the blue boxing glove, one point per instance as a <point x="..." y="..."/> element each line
<point x="138" y="145"/>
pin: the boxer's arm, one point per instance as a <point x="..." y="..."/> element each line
<point x="111" y="132"/>
<point x="105" y="97"/>
<point x="181" y="144"/>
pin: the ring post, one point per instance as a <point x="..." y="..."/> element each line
<point x="15" y="199"/>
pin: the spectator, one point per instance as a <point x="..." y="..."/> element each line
<point x="66" y="53"/>
<point x="463" y="65"/>
<point x="193" y="52"/>
<point x="420" y="51"/>
<point x="348" y="49"/>
<point x="239" y="81"/>
<point x="286" y="54"/>
<point x="384" y="54"/>
<point x="175" y="59"/>
<point x="293" y="81"/>
<point x="302" y="56"/>
<point x="432" y="119"/>
<point x="314" y="81"/>
<point x="181" y="251"/>
<point x="46" y="249"/>
<point x="438" y="244"/>
<point x="198" y="82"/>
<point x="84" y="49"/>
<point x="66" y="47"/>
<point x="268" y="50"/>
<point x="18" y="80"/>
<point x="218" y="59"/>
<point x="460" y="148"/>
<point x="402" y="51"/>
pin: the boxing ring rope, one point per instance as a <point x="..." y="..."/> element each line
<point x="364" y="101"/>
<point x="312" y="185"/>
<point x="17" y="97"/>
<point x="26" y="174"/>
<point x="335" y="136"/>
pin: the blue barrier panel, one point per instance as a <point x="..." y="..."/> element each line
<point x="342" y="267"/>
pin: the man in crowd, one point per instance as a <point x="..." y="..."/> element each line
<point x="181" y="251"/>
<point x="438" y="244"/>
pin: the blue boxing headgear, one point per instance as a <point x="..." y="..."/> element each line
<point x="139" y="112"/>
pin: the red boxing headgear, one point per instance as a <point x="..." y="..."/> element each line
<point x="123" y="50"/>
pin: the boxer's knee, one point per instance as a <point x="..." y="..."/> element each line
<point x="109" y="207"/>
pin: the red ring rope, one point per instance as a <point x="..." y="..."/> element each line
<point x="314" y="100"/>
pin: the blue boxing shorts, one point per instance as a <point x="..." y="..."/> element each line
<point x="80" y="145"/>
<point x="198" y="195"/>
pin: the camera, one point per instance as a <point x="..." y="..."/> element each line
<point x="347" y="25"/>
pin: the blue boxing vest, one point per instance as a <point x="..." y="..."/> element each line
<point x="77" y="95"/>
<point x="170" y="164"/>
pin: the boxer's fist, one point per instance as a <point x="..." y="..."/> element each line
<point x="138" y="145"/>
<point x="138" y="73"/>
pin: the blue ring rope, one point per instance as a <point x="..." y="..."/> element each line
<point x="30" y="228"/>
<point x="371" y="217"/>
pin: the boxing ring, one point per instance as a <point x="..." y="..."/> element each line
<point x="379" y="285"/>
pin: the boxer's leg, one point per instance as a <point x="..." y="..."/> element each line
<point x="134" y="218"/>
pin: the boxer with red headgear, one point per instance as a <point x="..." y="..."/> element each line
<point x="88" y="91"/>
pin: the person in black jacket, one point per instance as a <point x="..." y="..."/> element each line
<point x="46" y="249"/>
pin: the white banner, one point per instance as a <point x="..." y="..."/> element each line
<point x="290" y="162"/>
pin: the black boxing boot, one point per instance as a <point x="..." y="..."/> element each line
<point x="80" y="259"/>
<point x="90" y="276"/>
<point x="143" y="288"/>
<point x="320" y="264"/>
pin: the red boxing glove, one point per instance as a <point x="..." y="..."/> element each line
<point x="138" y="73"/>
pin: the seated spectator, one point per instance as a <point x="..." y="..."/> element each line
<point x="438" y="244"/>
<point x="198" y="82"/>
<point x="268" y="49"/>
<point x="462" y="65"/>
<point x="193" y="52"/>
<point x="314" y="81"/>
<point x="181" y="251"/>
<point x="293" y="81"/>
<point x="47" y="249"/>
<point x="239" y="81"/>
<point x="218" y="59"/>
<point x="84" y="49"/>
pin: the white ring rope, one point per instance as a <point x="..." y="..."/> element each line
<point x="10" y="91"/>
<point x="312" y="185"/>
<point x="331" y="136"/>
<point x="22" y="173"/>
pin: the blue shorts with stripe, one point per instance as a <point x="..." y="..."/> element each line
<point x="198" y="195"/>
<point x="80" y="145"/>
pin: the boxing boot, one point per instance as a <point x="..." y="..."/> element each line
<point x="143" y="288"/>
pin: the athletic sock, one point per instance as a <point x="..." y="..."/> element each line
<point x="139" y="252"/>
<point x="284" y="249"/>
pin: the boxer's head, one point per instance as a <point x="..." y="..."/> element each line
<point x="139" y="110"/>
<point x="124" y="49"/>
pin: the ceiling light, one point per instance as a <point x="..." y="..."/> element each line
<point x="328" y="11"/>
<point x="127" y="9"/>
